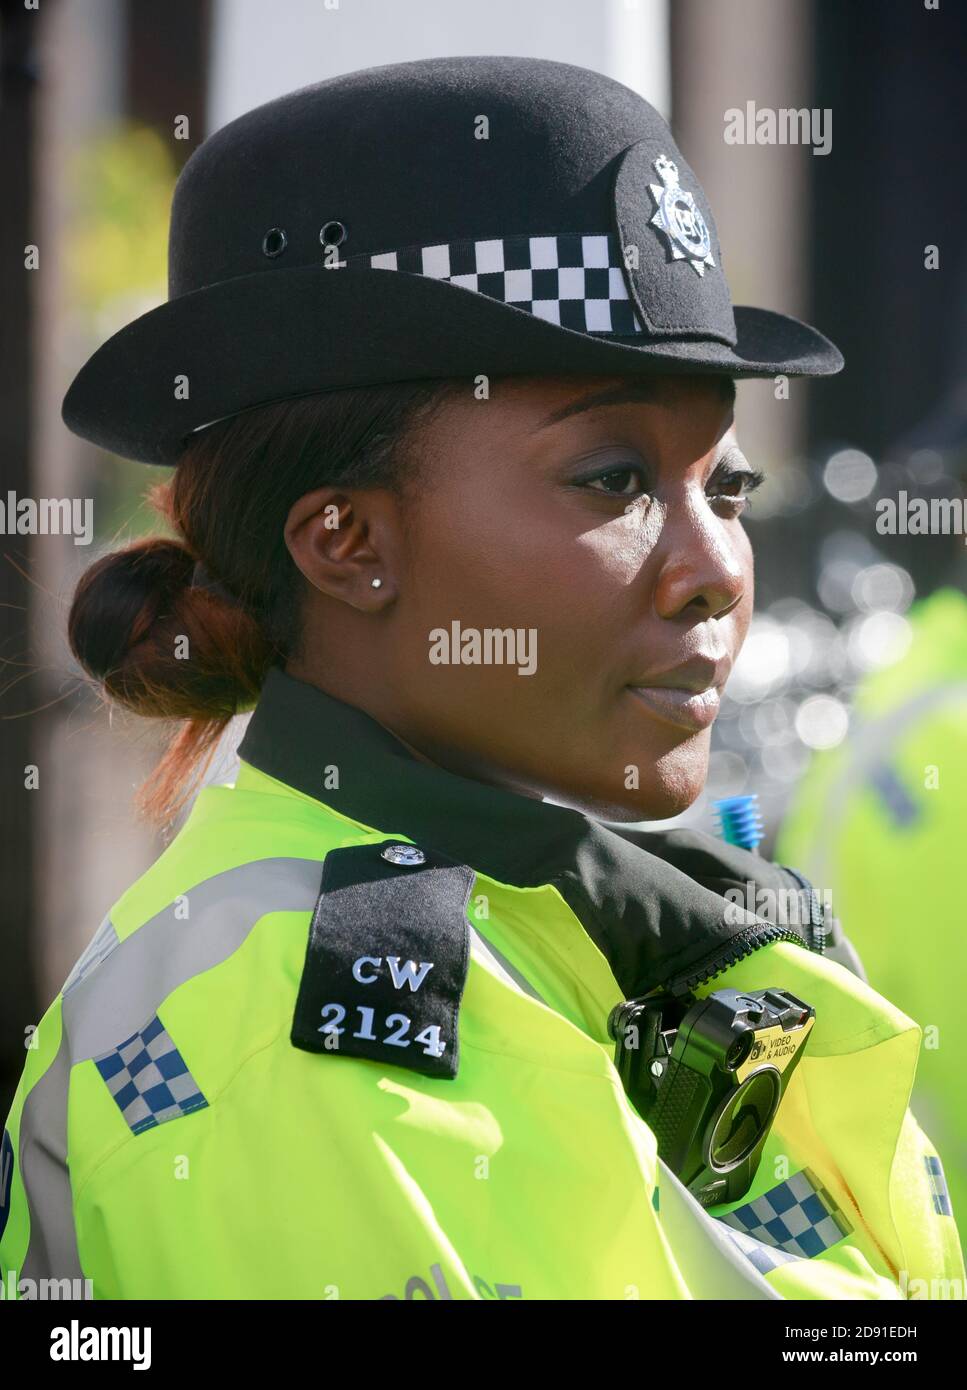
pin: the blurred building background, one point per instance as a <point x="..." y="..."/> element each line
<point x="89" y="95"/>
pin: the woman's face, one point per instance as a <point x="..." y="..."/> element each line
<point x="572" y="585"/>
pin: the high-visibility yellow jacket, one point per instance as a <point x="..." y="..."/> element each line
<point x="879" y="823"/>
<point x="173" y="1137"/>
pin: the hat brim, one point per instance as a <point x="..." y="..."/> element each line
<point x="277" y="334"/>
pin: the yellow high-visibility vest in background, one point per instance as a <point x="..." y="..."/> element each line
<point x="881" y="823"/>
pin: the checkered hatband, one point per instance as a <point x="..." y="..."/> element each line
<point x="149" y="1079"/>
<point x="570" y="279"/>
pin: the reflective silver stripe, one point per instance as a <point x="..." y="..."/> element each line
<point x="502" y="966"/>
<point x="102" y="943"/>
<point x="107" y="1004"/>
<point x="52" y="1250"/>
<point x="170" y="948"/>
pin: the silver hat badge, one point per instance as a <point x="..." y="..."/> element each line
<point x="679" y="217"/>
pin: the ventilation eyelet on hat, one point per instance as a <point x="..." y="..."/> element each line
<point x="274" y="242"/>
<point x="333" y="233"/>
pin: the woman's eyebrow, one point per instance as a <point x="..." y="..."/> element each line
<point x="623" y="393"/>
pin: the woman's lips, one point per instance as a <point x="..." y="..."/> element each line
<point x="689" y="709"/>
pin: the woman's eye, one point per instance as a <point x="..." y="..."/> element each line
<point x="731" y="491"/>
<point x="616" y="480"/>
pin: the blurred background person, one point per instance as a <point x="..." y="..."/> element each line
<point x="880" y="820"/>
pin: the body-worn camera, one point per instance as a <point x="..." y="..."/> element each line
<point x="707" y="1076"/>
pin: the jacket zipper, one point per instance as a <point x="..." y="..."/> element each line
<point x="817" y="913"/>
<point x="742" y="945"/>
<point x="761" y="934"/>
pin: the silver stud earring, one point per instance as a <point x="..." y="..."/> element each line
<point x="377" y="583"/>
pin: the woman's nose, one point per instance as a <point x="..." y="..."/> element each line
<point x="704" y="569"/>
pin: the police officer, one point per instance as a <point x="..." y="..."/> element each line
<point x="879" y="824"/>
<point x="353" y="1034"/>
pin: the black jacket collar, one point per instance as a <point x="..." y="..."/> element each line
<point x="651" y="901"/>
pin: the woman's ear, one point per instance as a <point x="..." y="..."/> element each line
<point x="342" y="543"/>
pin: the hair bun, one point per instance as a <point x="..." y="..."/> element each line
<point x="119" y="598"/>
<point x="159" y="646"/>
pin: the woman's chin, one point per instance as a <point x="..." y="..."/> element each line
<point x="672" y="785"/>
<point x="657" y="804"/>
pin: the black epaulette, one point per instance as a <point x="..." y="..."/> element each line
<point x="387" y="958"/>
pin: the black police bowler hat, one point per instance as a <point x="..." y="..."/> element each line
<point x="447" y="217"/>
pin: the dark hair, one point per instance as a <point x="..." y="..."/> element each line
<point x="199" y="654"/>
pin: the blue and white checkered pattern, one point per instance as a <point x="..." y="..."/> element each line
<point x="763" y="1257"/>
<point x="568" y="278"/>
<point x="938" y="1186"/>
<point x="147" y="1076"/>
<point x="799" y="1217"/>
